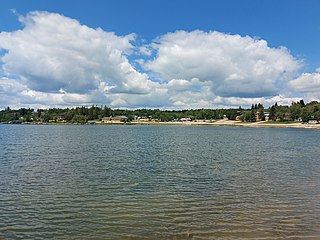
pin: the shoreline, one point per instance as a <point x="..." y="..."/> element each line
<point x="221" y="123"/>
<point x="230" y="123"/>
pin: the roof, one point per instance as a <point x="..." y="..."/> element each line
<point x="115" y="118"/>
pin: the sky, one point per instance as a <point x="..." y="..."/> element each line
<point x="158" y="54"/>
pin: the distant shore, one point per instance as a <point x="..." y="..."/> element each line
<point x="234" y="124"/>
<point x="231" y="123"/>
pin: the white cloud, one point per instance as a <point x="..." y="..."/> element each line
<point x="145" y="50"/>
<point x="234" y="65"/>
<point x="246" y="102"/>
<point x="53" y="52"/>
<point x="54" y="61"/>
<point x="16" y="95"/>
<point x="158" y="98"/>
<point x="307" y="84"/>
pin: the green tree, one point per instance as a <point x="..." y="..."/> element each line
<point x="249" y="116"/>
<point x="106" y="111"/>
<point x="305" y="115"/>
<point x="272" y="113"/>
<point x="302" y="104"/>
<point x="261" y="115"/>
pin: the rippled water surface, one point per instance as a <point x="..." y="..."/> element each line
<point x="158" y="182"/>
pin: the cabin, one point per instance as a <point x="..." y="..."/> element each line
<point x="312" y="122"/>
<point x="61" y="120"/>
<point x="266" y="116"/>
<point x="238" y="118"/>
<point x="115" y="119"/>
<point x="185" y="119"/>
<point x="142" y="119"/>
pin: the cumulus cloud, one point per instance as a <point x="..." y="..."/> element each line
<point x="53" y="52"/>
<point x="246" y="102"/>
<point x="16" y="95"/>
<point x="308" y="84"/>
<point x="235" y="66"/>
<point x="56" y="61"/>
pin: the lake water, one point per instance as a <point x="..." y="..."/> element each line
<point x="158" y="182"/>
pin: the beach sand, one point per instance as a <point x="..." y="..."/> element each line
<point x="235" y="124"/>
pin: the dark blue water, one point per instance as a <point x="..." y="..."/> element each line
<point x="158" y="182"/>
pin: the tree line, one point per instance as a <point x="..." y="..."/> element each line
<point x="297" y="111"/>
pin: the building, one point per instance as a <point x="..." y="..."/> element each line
<point x="185" y="119"/>
<point x="299" y="119"/>
<point x="312" y="122"/>
<point x="115" y="119"/>
<point x="142" y="119"/>
<point x="264" y="116"/>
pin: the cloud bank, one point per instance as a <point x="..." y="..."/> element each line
<point x="55" y="61"/>
<point x="232" y="65"/>
<point x="307" y="84"/>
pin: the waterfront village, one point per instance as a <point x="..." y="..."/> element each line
<point x="297" y="115"/>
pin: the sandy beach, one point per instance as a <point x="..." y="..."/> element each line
<point x="231" y="123"/>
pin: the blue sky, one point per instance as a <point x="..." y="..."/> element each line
<point x="293" y="24"/>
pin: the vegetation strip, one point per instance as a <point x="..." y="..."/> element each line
<point x="298" y="112"/>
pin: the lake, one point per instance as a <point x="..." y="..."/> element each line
<point x="158" y="182"/>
